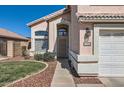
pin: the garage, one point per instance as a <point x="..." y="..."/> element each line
<point x="111" y="53"/>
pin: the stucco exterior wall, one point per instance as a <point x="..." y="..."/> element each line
<point x="24" y="43"/>
<point x="85" y="50"/>
<point x="10" y="48"/>
<point x="100" y="9"/>
<point x="40" y="26"/>
<point x="63" y="19"/>
<point x="74" y="33"/>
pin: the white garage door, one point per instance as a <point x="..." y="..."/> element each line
<point x="111" y="53"/>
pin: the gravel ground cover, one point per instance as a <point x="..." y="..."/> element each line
<point x="42" y="79"/>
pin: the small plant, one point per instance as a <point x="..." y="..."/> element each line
<point x="49" y="56"/>
<point x="38" y="57"/>
<point x="25" y="54"/>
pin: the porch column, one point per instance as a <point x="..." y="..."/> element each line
<point x="52" y="37"/>
<point x="10" y="48"/>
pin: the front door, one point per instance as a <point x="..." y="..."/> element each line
<point x="62" y="47"/>
<point x="62" y="43"/>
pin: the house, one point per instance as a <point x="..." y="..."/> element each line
<point x="90" y="36"/>
<point x="11" y="44"/>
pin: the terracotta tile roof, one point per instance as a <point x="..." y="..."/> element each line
<point x="100" y="16"/>
<point x="8" y="34"/>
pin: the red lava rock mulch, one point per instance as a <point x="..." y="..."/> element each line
<point x="86" y="80"/>
<point x="42" y="79"/>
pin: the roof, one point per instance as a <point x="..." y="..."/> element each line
<point x="47" y="17"/>
<point x="100" y="16"/>
<point x="8" y="34"/>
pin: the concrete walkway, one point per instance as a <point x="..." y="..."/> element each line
<point x="62" y="76"/>
<point x="112" y="82"/>
<point x="3" y="58"/>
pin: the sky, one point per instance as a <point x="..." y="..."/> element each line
<point x="15" y="18"/>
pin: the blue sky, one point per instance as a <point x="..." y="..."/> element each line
<point x="15" y="18"/>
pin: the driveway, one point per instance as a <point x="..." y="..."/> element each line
<point x="63" y="78"/>
<point x="112" y="82"/>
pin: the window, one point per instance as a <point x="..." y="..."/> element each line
<point x="41" y="33"/>
<point x="41" y="45"/>
<point x="62" y="32"/>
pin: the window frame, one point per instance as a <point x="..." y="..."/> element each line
<point x="63" y="33"/>
<point x="41" y="33"/>
<point x="42" y="49"/>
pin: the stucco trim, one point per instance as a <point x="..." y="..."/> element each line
<point x="88" y="58"/>
<point x="88" y="74"/>
<point x="100" y="17"/>
<point x="50" y="16"/>
<point x="84" y="58"/>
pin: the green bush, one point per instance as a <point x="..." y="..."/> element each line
<point x="49" y="56"/>
<point x="38" y="57"/>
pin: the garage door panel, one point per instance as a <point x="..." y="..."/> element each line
<point x="113" y="65"/>
<point x="112" y="45"/>
<point x="111" y="53"/>
<point x="112" y="39"/>
<point x="111" y="59"/>
<point x="111" y="69"/>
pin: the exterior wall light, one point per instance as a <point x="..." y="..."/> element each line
<point x="86" y="37"/>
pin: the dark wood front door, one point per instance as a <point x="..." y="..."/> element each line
<point x="62" y="50"/>
<point x="62" y="40"/>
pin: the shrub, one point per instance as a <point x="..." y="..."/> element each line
<point x="25" y="54"/>
<point x="38" y="57"/>
<point x="49" y="56"/>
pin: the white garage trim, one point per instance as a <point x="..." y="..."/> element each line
<point x="97" y="28"/>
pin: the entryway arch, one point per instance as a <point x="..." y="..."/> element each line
<point x="62" y="40"/>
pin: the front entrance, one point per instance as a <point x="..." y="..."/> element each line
<point x="62" y="41"/>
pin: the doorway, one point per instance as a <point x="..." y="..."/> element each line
<point x="62" y="41"/>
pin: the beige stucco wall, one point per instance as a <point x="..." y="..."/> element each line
<point x="85" y="50"/>
<point x="10" y="48"/>
<point x="63" y="19"/>
<point x="74" y="33"/>
<point x="100" y="9"/>
<point x="24" y="43"/>
<point x="39" y="26"/>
